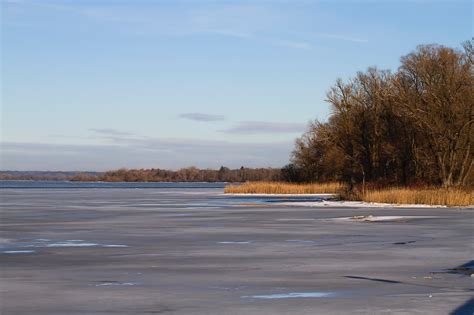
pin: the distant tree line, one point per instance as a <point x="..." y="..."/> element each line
<point x="192" y="174"/>
<point x="189" y="174"/>
<point x="44" y="175"/>
<point x="414" y="126"/>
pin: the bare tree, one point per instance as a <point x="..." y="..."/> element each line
<point x="435" y="89"/>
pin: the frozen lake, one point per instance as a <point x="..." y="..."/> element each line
<point x="119" y="248"/>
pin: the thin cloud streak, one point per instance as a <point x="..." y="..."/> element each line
<point x="259" y="39"/>
<point x="202" y="117"/>
<point x="110" y="132"/>
<point x="290" y="44"/>
<point x="228" y="33"/>
<point x="340" y="37"/>
<point x="263" y="127"/>
<point x="143" y="153"/>
<point x="221" y="22"/>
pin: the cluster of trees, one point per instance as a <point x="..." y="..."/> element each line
<point x="191" y="174"/>
<point x="44" y="175"/>
<point x="414" y="126"/>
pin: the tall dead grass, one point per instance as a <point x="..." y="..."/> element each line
<point x="429" y="196"/>
<point x="283" y="188"/>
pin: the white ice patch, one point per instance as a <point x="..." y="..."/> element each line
<point x="18" y="251"/>
<point x="66" y="244"/>
<point x="353" y="204"/>
<point x="322" y="196"/>
<point x="371" y="218"/>
<point x="290" y="219"/>
<point x="72" y="243"/>
<point x="206" y="207"/>
<point x="291" y="295"/>
<point x="111" y="284"/>
<point x="236" y="242"/>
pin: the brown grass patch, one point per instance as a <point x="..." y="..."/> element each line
<point x="283" y="188"/>
<point x="429" y="196"/>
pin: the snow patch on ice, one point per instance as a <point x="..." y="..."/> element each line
<point x="109" y="284"/>
<point x="387" y="218"/>
<point x="353" y="204"/>
<point x="322" y="196"/>
<point x="292" y="295"/>
<point x="18" y="251"/>
<point x="70" y="244"/>
<point x="236" y="242"/>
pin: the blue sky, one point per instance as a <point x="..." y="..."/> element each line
<point x="95" y="85"/>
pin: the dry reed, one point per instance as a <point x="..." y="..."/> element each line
<point x="429" y="196"/>
<point x="283" y="188"/>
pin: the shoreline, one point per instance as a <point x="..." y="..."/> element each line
<point x="324" y="203"/>
<point x="328" y="195"/>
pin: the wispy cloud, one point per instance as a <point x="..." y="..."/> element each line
<point x="144" y="153"/>
<point x="202" y="117"/>
<point x="290" y="44"/>
<point x="45" y="5"/>
<point x="228" y="33"/>
<point x="251" y="22"/>
<point x="110" y="132"/>
<point x="259" y="39"/>
<point x="341" y="37"/>
<point x="261" y="127"/>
